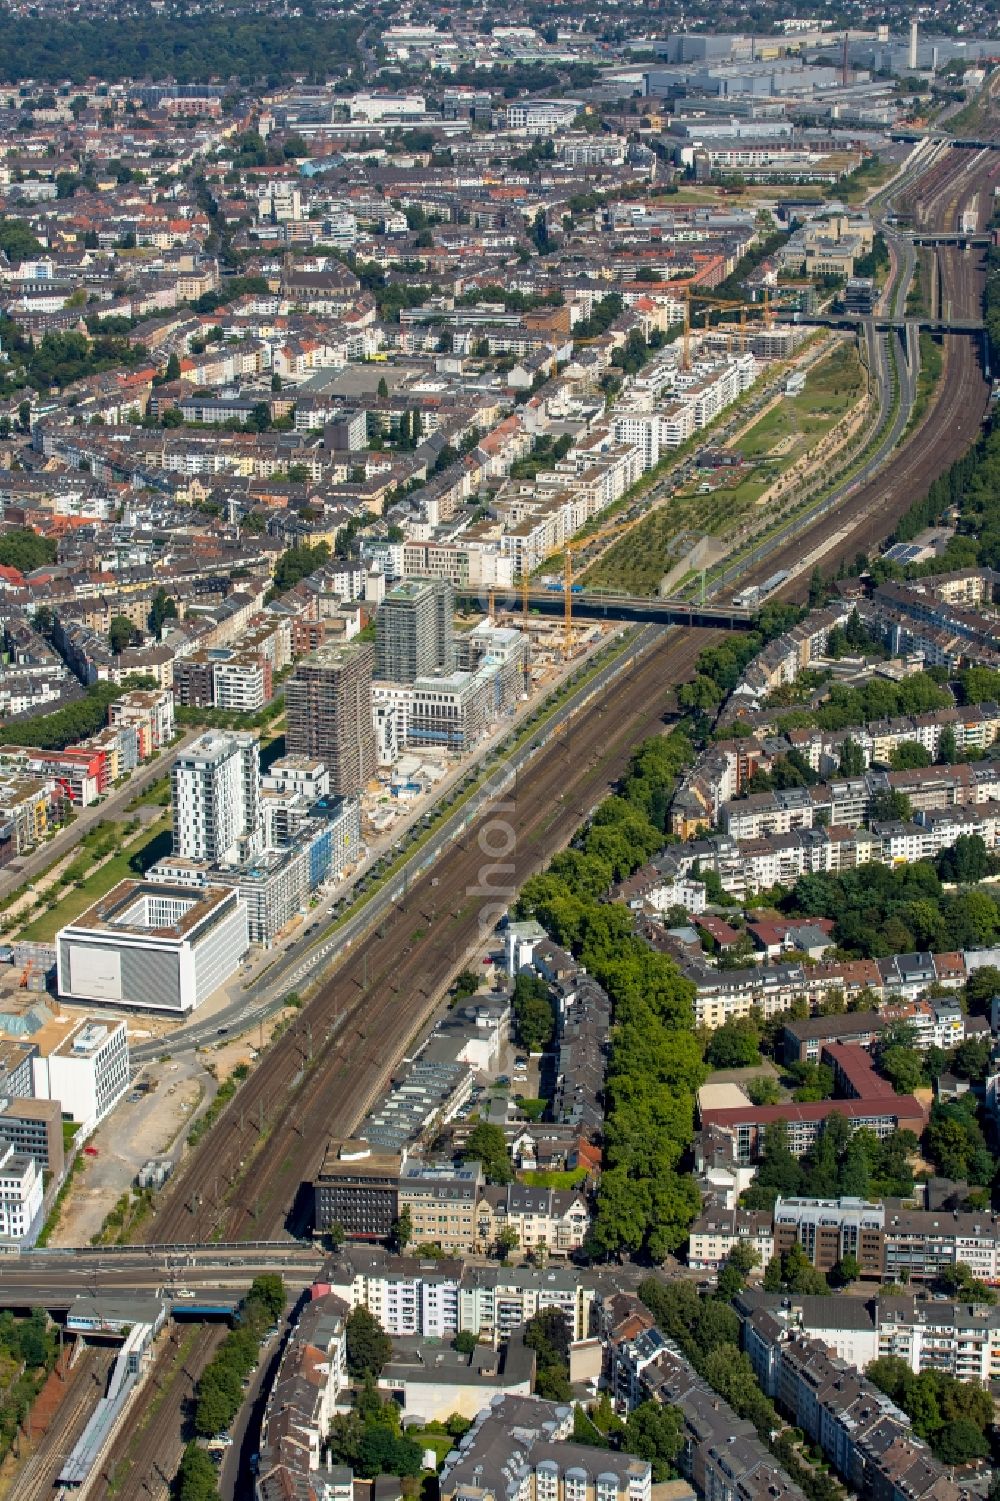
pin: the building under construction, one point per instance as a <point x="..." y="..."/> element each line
<point x="329" y="714"/>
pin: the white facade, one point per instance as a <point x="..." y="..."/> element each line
<point x="154" y="946"/>
<point x="216" y="798"/>
<point x="20" y="1194"/>
<point x="87" y="1071"/>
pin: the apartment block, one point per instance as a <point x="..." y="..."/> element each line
<point x="443" y="1203"/>
<point x="518" y="1450"/>
<point x="152" y="713"/>
<point x="329" y="715"/>
<point x="312" y="1374"/>
<point x="215" y="786"/>
<point x="830" y="1229"/>
<point x="20" y="1195"/>
<point x="863" y="1435"/>
<point x="414" y="631"/>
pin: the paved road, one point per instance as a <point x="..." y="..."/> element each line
<point x="32" y="865"/>
<point x="304" y="960"/>
<point x="53" y="1280"/>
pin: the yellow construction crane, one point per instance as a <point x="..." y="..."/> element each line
<point x="523" y="584"/>
<point x="580" y="544"/>
<point x="694" y="294"/>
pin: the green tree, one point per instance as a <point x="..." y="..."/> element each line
<point x="960" y="1442"/>
<point x="736" y="1044"/>
<point x="655" y="1432"/>
<point x="548" y="1334"/>
<point x="909" y="755"/>
<point x="368" y="1345"/>
<point x="465" y="1342"/>
<point x="162" y="609"/>
<point x="267" y="1291"/>
<point x="197" y="1478"/>
<point x="852" y="758"/>
<point x="173" y="370"/>
<point x="846" y="1270"/>
<point x="402" y="1229"/>
<point x="487" y="1144"/>
<point x="119" y="634"/>
<point x="25" y="550"/>
<point x="534" y="1014"/>
<point x="903" y="1068"/>
<point x="947" y="747"/>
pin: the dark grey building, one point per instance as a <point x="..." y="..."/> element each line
<point x="414" y="632"/>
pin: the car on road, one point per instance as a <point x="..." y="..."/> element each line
<point x="221" y="1031"/>
<point x="184" y="1292"/>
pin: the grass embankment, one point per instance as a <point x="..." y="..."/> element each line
<point x="135" y="851"/>
<point x="931" y="362"/>
<point x="782" y="435"/>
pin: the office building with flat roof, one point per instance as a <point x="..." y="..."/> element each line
<point x="328" y="705"/>
<point x="35" y="1128"/>
<point x="153" y="945"/>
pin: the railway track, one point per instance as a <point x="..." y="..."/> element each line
<point x="952" y="421"/>
<point x="322" y="1074"/>
<point x="86" y="1384"/>
<point x="144" y="1457"/>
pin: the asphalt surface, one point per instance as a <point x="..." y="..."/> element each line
<point x="304" y="959"/>
<point x="30" y="866"/>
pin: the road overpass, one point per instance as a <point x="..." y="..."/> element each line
<point x="593" y="605"/>
<point x="217" y="1275"/>
<point x="884" y="324"/>
<point x="949" y="237"/>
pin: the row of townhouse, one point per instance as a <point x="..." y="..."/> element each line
<point x="448" y="1206"/>
<point x="895" y="982"/>
<point x="848" y="801"/>
<point x="745" y="866"/>
<point x="891" y="1240"/>
<point x="928" y="1334"/>
<point x="538" y="520"/>
<point x="29" y="805"/>
<point x="311" y="1375"/>
<point x="724" y="768"/>
<point x="863" y="1435"/>
<point x="721" y="1455"/>
<point x="934" y="615"/>
<point x="782" y="660"/>
<point x="937" y="1023"/>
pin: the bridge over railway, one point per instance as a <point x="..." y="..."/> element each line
<point x="195" y="1281"/>
<point x="949" y="237"/>
<point x="595" y="605"/>
<point x="883" y="324"/>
